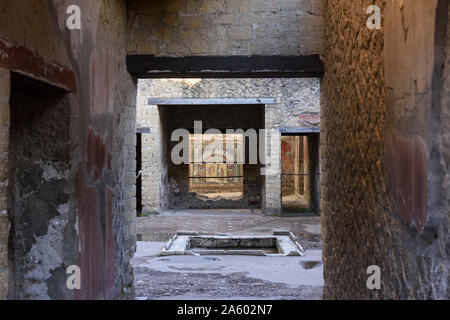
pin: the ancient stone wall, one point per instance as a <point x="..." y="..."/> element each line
<point x="379" y="115"/>
<point x="297" y="106"/>
<point x="5" y="85"/>
<point x="225" y="27"/>
<point x="99" y="210"/>
<point x="444" y="149"/>
<point x="38" y="201"/>
<point x="417" y="139"/>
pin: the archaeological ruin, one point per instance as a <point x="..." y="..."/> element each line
<point x="123" y="122"/>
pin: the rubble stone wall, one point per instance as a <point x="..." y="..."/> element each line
<point x="298" y="106"/>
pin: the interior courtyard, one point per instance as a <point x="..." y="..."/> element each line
<point x="125" y="124"/>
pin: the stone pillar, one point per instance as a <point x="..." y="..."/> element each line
<point x="148" y="116"/>
<point x="272" y="172"/>
<point x="5" y="88"/>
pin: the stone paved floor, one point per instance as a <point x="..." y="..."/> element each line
<point x="226" y="277"/>
<point x="231" y="222"/>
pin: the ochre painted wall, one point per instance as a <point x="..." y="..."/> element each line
<point x="384" y="186"/>
<point x="102" y="134"/>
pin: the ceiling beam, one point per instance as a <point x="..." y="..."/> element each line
<point x="209" y="101"/>
<point x="147" y="66"/>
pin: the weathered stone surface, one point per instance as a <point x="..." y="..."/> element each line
<point x="297" y="105"/>
<point x="385" y="134"/>
<point x="4" y="144"/>
<point x="381" y="126"/>
<point x="225" y="27"/>
<point x="3" y="284"/>
<point x="96" y="223"/>
<point x="276" y="245"/>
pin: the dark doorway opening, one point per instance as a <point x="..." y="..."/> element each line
<point x="42" y="221"/>
<point x="139" y="173"/>
<point x="300" y="174"/>
<point x="210" y="185"/>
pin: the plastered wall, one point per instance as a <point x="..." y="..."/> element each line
<point x="99" y="181"/>
<point x="384" y="186"/>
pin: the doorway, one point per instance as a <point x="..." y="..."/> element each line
<point x="221" y="179"/>
<point x="300" y="174"/>
<point x="41" y="218"/>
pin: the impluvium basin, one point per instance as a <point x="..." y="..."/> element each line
<point x="282" y="243"/>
